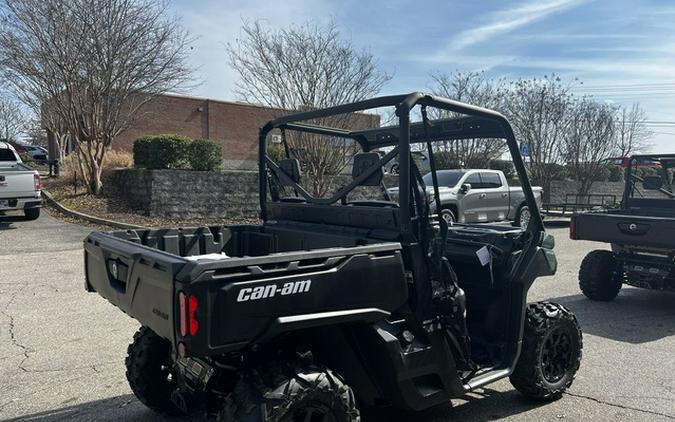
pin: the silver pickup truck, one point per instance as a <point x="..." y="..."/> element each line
<point x="19" y="184"/>
<point x="479" y="196"/>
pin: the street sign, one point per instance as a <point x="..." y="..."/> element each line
<point x="525" y="150"/>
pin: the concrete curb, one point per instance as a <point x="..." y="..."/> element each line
<point x="90" y="218"/>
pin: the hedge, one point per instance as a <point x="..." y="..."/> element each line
<point x="176" y="152"/>
<point x="205" y="155"/>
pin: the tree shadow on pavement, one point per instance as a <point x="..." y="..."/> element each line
<point x="483" y="405"/>
<point x="120" y="408"/>
<point x="636" y="316"/>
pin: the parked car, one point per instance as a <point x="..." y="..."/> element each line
<point x="640" y="232"/>
<point x="19" y="184"/>
<point x="330" y="303"/>
<point x="37" y="153"/>
<point x="479" y="196"/>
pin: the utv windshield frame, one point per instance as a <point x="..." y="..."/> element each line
<point x="475" y="123"/>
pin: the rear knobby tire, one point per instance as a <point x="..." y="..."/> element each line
<point x="600" y="276"/>
<point x="551" y="352"/>
<point x="149" y="371"/>
<point x="308" y="394"/>
<point x="32" y="213"/>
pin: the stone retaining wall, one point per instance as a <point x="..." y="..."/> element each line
<point x="200" y="194"/>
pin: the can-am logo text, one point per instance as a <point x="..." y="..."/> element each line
<point x="271" y="290"/>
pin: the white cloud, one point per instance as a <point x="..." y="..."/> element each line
<point x="508" y="20"/>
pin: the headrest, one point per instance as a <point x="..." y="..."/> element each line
<point x="362" y="162"/>
<point x="290" y="167"/>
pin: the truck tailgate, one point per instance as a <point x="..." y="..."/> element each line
<point x="624" y="229"/>
<point x="135" y="278"/>
<point x="17" y="181"/>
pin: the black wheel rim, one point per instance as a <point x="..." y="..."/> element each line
<point x="313" y="412"/>
<point x="557" y="355"/>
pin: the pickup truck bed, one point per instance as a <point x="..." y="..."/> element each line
<point x="643" y="227"/>
<point x="250" y="294"/>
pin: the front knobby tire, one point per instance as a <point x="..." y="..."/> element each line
<point x="149" y="371"/>
<point x="551" y="352"/>
<point x="301" y="394"/>
<point x="600" y="276"/>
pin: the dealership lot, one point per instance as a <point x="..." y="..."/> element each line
<point x="62" y="350"/>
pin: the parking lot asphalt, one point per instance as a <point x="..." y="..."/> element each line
<point x="62" y="350"/>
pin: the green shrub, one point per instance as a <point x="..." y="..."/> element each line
<point x="205" y="155"/>
<point x="162" y="152"/>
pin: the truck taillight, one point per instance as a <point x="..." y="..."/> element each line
<point x="37" y="183"/>
<point x="188" y="305"/>
<point x="541" y="194"/>
<point x="573" y="228"/>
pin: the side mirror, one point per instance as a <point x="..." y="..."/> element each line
<point x="652" y="182"/>
<point x="465" y="187"/>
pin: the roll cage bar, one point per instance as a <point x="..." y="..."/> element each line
<point x="476" y="122"/>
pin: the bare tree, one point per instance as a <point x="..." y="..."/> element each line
<point x="92" y="64"/>
<point x="304" y="67"/>
<point x="589" y="142"/>
<point x="13" y="119"/>
<point x="631" y="130"/>
<point x="473" y="88"/>
<point x="539" y="110"/>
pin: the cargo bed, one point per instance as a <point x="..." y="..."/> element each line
<point x="241" y="284"/>
<point x="647" y="227"/>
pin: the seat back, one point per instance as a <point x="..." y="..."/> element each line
<point x="362" y="162"/>
<point x="291" y="167"/>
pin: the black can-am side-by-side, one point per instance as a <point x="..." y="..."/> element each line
<point x="337" y="303"/>
<point x="641" y="232"/>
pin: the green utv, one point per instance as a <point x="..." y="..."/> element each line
<point x="336" y="304"/>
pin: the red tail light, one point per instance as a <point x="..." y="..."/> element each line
<point x="193" y="303"/>
<point x="541" y="194"/>
<point x="188" y="306"/>
<point x="37" y="183"/>
<point x="573" y="228"/>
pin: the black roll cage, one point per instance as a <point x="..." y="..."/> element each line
<point x="476" y="122"/>
<point x="629" y="177"/>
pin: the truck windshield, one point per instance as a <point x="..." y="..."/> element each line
<point x="446" y="178"/>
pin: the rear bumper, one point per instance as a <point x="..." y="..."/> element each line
<point x="20" y="203"/>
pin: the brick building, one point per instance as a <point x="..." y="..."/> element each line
<point x="232" y="124"/>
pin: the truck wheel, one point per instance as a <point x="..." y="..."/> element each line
<point x="149" y="371"/>
<point x="310" y="394"/>
<point x="551" y="352"/>
<point x="448" y="216"/>
<point x="32" y="213"/>
<point x="600" y="277"/>
<point x="523" y="217"/>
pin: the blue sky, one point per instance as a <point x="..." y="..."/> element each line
<point x="623" y="51"/>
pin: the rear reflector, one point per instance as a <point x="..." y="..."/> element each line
<point x="182" y="312"/>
